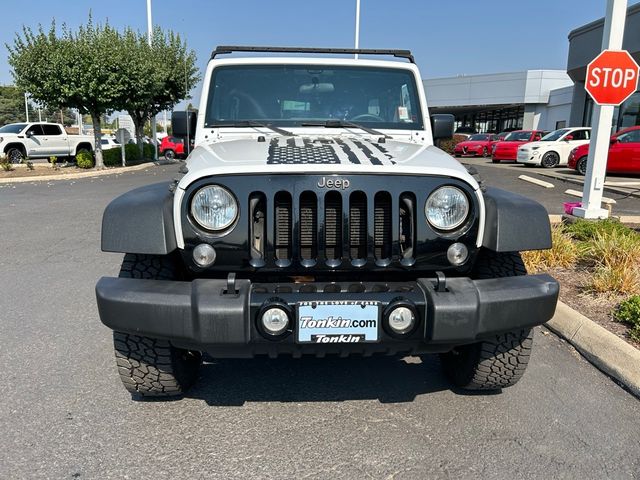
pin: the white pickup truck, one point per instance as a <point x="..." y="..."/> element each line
<point x="41" y="140"/>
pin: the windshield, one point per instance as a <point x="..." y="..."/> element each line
<point x="517" y="137"/>
<point x="555" y="135"/>
<point x="13" y="128"/>
<point x="291" y="95"/>
<point x="477" y="138"/>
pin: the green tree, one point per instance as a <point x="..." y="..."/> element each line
<point x="71" y="70"/>
<point x="11" y="105"/>
<point x="159" y="75"/>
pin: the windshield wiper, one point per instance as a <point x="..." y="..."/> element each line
<point x="345" y="124"/>
<point x="253" y="123"/>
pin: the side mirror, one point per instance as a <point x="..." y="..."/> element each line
<point x="442" y="126"/>
<point x="183" y="124"/>
<point x="568" y="138"/>
<point x="28" y="134"/>
<point x="613" y="140"/>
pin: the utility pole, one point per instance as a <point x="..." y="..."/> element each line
<point x="153" y="118"/>
<point x="357" y="42"/>
<point x="602" y="119"/>
<point x="26" y="106"/>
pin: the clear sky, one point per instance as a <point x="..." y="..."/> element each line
<point x="447" y="37"/>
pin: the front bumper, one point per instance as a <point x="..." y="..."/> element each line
<point x="220" y="317"/>
<point x="532" y="157"/>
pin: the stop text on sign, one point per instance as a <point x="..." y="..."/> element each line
<point x="612" y="77"/>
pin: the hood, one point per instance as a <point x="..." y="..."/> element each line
<point x="266" y="154"/>
<point x="536" y="144"/>
<point x="473" y="143"/>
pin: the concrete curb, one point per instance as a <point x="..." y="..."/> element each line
<point x="89" y="174"/>
<point x="609" y="353"/>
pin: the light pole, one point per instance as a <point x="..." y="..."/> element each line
<point x="26" y="106"/>
<point x="357" y="42"/>
<point x="153" y="118"/>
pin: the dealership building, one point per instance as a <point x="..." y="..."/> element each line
<point x="533" y="99"/>
<point x="536" y="99"/>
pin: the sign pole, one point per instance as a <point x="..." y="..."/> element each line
<point x="602" y="119"/>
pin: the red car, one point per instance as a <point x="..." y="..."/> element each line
<point x="478" y="144"/>
<point x="508" y="148"/>
<point x="171" y="147"/>
<point x="624" y="153"/>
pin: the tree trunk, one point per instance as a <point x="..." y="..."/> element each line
<point x="139" y="122"/>
<point x="97" y="135"/>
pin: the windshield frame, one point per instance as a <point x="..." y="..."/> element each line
<point x="549" y="137"/>
<point x="526" y="134"/>
<point x="416" y="96"/>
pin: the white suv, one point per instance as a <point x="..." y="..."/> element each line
<point x="554" y="148"/>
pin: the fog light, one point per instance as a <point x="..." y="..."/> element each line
<point x="457" y="254"/>
<point x="204" y="255"/>
<point x="275" y="321"/>
<point x="401" y="320"/>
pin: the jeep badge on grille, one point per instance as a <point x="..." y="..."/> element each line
<point x="325" y="182"/>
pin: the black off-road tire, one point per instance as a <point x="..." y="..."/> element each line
<point x="154" y="368"/>
<point x="550" y="160"/>
<point x="496" y="362"/>
<point x="150" y="367"/>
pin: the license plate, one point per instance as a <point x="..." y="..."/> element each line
<point x="339" y="321"/>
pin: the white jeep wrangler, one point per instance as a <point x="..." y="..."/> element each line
<point x="317" y="217"/>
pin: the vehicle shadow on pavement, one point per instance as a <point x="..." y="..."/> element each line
<point x="387" y="379"/>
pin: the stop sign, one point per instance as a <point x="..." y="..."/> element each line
<point x="612" y="77"/>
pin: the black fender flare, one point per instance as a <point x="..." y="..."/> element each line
<point x="140" y="221"/>
<point x="514" y="223"/>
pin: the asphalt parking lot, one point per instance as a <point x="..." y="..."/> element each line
<point x="505" y="175"/>
<point x="65" y="415"/>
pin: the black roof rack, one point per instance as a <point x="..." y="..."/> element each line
<point x="223" y="49"/>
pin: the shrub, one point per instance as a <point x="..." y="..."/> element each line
<point x="29" y="164"/>
<point x="449" y="144"/>
<point x="564" y="252"/>
<point x="131" y="152"/>
<point x="84" y="159"/>
<point x="148" y="151"/>
<point x="585" y="230"/>
<point x="615" y="257"/>
<point x="112" y="157"/>
<point x="628" y="312"/>
<point x="6" y="166"/>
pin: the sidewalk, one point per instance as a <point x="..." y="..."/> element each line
<point x="85" y="173"/>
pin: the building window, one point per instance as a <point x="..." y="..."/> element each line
<point x="561" y="124"/>
<point x="587" y="115"/>
<point x="629" y="115"/>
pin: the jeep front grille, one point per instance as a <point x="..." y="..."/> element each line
<point x="332" y="227"/>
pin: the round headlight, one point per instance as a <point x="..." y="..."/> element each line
<point x="214" y="208"/>
<point x="447" y="208"/>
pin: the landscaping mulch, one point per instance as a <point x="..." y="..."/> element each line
<point x="597" y="307"/>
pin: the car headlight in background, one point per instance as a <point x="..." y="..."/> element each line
<point x="214" y="208"/>
<point x="447" y="208"/>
